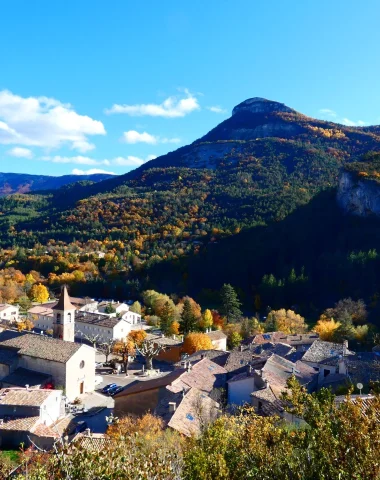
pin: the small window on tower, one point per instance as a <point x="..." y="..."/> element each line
<point x="69" y="317"/>
<point x="58" y="318"/>
<point x="81" y="365"/>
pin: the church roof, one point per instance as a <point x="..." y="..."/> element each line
<point x="64" y="301"/>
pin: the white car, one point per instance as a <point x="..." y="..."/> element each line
<point x="98" y="379"/>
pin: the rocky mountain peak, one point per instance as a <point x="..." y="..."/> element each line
<point x="261" y="105"/>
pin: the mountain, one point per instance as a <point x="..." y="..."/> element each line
<point x="24" y="183"/>
<point x="253" y="202"/>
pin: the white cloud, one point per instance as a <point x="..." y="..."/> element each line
<point x="132" y="136"/>
<point x="92" y="171"/>
<point x="217" y="109"/>
<point x="328" y="114"/>
<point x="170" y="108"/>
<point x="20" y="152"/>
<point x="44" y="122"/>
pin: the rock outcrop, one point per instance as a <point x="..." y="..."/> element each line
<point x="357" y="196"/>
<point x="261" y="105"/>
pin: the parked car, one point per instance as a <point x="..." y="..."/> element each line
<point x="107" y="387"/>
<point x="114" y="391"/>
<point x="98" y="379"/>
<point x="98" y="365"/>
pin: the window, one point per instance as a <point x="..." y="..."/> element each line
<point x="58" y="318"/>
<point x="81" y="365"/>
<point x="69" y="317"/>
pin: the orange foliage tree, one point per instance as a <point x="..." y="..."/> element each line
<point x="195" y="342"/>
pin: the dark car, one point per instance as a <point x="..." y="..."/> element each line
<point x="108" y="387"/>
<point x="114" y="391"/>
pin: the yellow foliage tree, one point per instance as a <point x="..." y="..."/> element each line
<point x="25" y="325"/>
<point x="39" y="293"/>
<point x="326" y="328"/>
<point x="137" y="337"/>
<point x="285" y="321"/>
<point x="174" y="328"/>
<point x="195" y="342"/>
<point x="206" y="320"/>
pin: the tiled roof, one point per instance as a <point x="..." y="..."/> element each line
<point x="39" y="346"/>
<point x="238" y="358"/>
<point x="161" y="340"/>
<point x="266" y="349"/>
<point x="22" y="396"/>
<point x="217" y="356"/>
<point x="204" y="375"/>
<point x="195" y="409"/>
<point x="327" y="353"/>
<point x="97" y="319"/>
<point x="64" y="303"/>
<point x="24" y="424"/>
<point x="5" y="306"/>
<point x="145" y="385"/>
<point x="216" y="335"/>
<point x="274" y="337"/>
<point x="271" y="405"/>
<point x="41" y="310"/>
<point x="22" y="376"/>
<point x="95" y="442"/>
<point x="367" y="403"/>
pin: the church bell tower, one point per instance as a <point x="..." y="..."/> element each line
<point x="64" y="318"/>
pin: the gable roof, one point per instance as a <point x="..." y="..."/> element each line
<point x="64" y="303"/>
<point x="97" y="319"/>
<point x="327" y="353"/>
<point x="144" y="385"/>
<point x="217" y="356"/>
<point x="39" y="346"/>
<point x="24" y="397"/>
<point x="205" y="375"/>
<point x="22" y="377"/>
<point x="216" y="335"/>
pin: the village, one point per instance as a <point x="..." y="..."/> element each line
<point x="63" y="381"/>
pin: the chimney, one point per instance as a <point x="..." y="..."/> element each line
<point x="202" y="356"/>
<point x="241" y="348"/>
<point x="345" y="347"/>
<point x="189" y="366"/>
<point x="172" y="406"/>
<point x="88" y="432"/>
<point x="249" y="370"/>
<point x="261" y="373"/>
<point x="266" y="383"/>
<point x="27" y="387"/>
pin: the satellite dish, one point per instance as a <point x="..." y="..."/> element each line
<point x="359" y="387"/>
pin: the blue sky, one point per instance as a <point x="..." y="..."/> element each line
<point x="90" y="85"/>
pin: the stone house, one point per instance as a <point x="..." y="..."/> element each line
<point x="218" y="339"/>
<point x="28" y="415"/>
<point x="178" y="398"/>
<point x="27" y="358"/>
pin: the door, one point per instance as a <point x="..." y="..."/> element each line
<point x="81" y="388"/>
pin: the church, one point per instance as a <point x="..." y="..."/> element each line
<point x="37" y="360"/>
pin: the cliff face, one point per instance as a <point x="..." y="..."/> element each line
<point x="359" y="197"/>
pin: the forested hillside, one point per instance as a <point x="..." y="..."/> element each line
<point x="265" y="177"/>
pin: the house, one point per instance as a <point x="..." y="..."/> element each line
<point x="218" y="339"/>
<point x="9" y="313"/>
<point x="119" y="308"/>
<point x="106" y="327"/>
<point x="327" y="358"/>
<point x="183" y="398"/>
<point x="300" y="342"/>
<point x="275" y="373"/>
<point x="172" y="347"/>
<point x="366" y="402"/>
<point x="28" y="416"/>
<point x="32" y="359"/>
<point x="217" y="356"/>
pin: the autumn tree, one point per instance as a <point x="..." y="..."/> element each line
<point x="285" y="321"/>
<point x="326" y="328"/>
<point x="206" y="320"/>
<point x="347" y="307"/>
<point x="195" y="342"/>
<point x="39" y="293"/>
<point x="135" y="307"/>
<point x="230" y="304"/>
<point x="25" y="324"/>
<point x="137" y="337"/>
<point x="167" y="317"/>
<point x="123" y="349"/>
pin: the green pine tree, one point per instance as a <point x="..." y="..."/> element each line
<point x="230" y="304"/>
<point x="188" y="321"/>
<point x="167" y="317"/>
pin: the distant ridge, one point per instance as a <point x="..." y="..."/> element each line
<point x="24" y="183"/>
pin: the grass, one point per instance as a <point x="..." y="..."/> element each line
<point x="12" y="455"/>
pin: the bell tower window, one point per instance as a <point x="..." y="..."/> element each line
<point x="58" y="318"/>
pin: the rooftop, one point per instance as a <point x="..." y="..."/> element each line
<point x="22" y="396"/>
<point x="216" y="335"/>
<point x="64" y="301"/>
<point x="97" y="319"/>
<point x="38" y="346"/>
<point x="217" y="356"/>
<point x="22" y="377"/>
<point x="325" y="352"/>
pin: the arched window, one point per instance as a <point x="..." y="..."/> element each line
<point x="69" y="317"/>
<point x="81" y="365"/>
